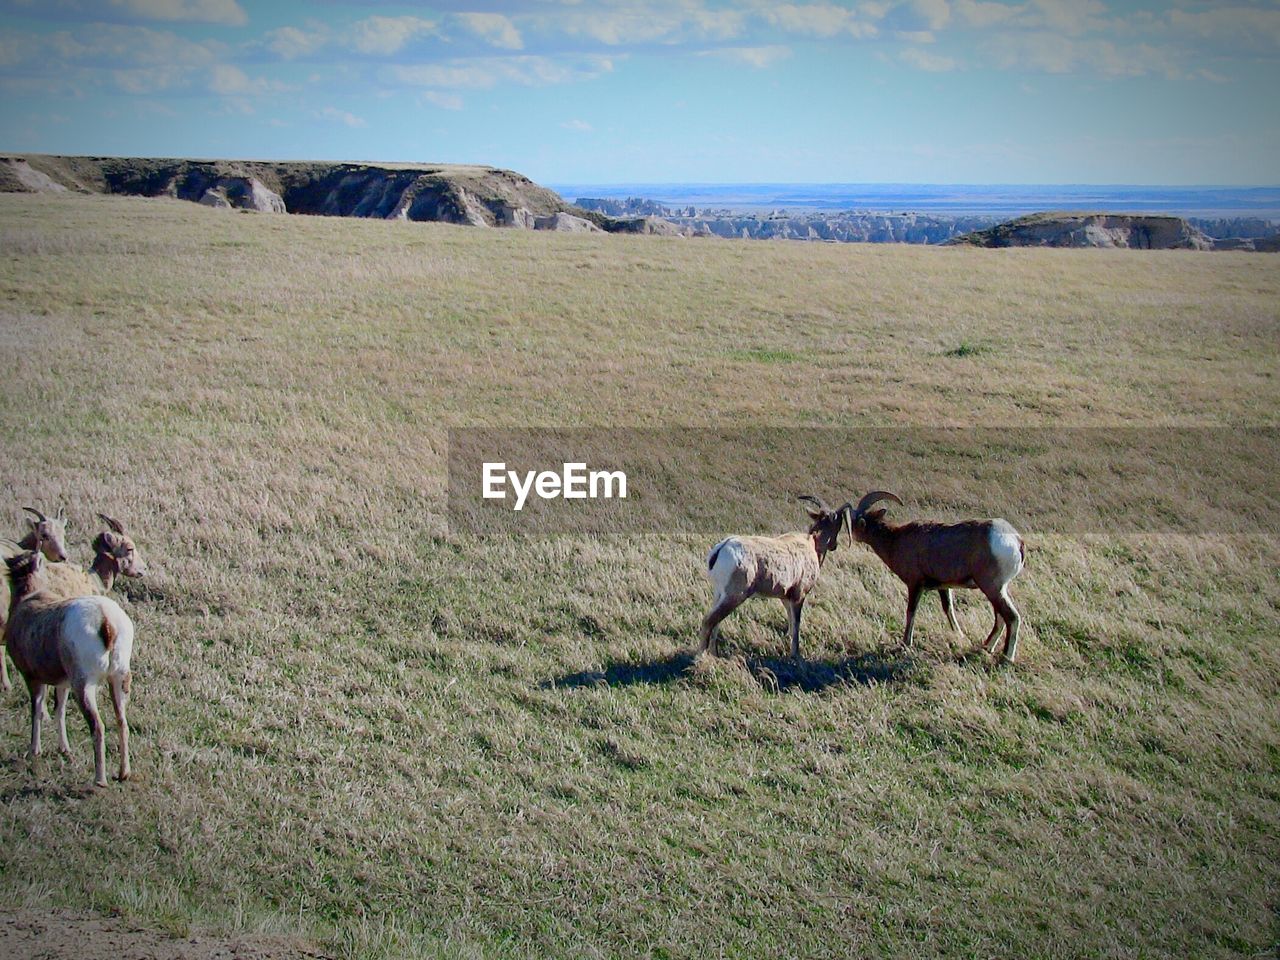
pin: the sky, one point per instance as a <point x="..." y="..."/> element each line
<point x="654" y="91"/>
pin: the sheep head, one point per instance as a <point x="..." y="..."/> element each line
<point x="23" y="569"/>
<point x="825" y="522"/>
<point x="118" y="547"/>
<point x="858" y="516"/>
<point x="48" y="534"/>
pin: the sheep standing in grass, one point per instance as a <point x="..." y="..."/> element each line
<point x="976" y="554"/>
<point x="785" y="568"/>
<point x="114" y="553"/>
<point x="71" y="644"/>
<point x="49" y="535"/>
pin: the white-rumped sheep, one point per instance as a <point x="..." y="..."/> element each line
<point x="785" y="568"/>
<point x="975" y="554"/>
<point x="49" y="533"/>
<point x="70" y="645"/>
<point x="114" y="553"/>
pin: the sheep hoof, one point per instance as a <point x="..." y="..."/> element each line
<point x="100" y="783"/>
<point x="124" y="775"/>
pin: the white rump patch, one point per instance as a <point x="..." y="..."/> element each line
<point x="1006" y="547"/>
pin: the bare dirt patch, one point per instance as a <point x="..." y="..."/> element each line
<point x="39" y="935"/>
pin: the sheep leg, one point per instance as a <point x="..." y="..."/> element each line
<point x="60" y="713"/>
<point x="913" y="601"/>
<point x="119" y="700"/>
<point x="4" y="669"/>
<point x="88" y="699"/>
<point x="711" y="622"/>
<point x="36" y="689"/>
<point x="944" y="595"/>
<point x="1011" y="619"/>
<point x="794" y="610"/>
<point x="989" y="644"/>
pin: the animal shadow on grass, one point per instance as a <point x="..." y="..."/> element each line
<point x="38" y="780"/>
<point x="772" y="673"/>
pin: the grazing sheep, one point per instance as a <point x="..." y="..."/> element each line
<point x="114" y="553"/>
<point x="976" y="554"/>
<point x="785" y="568"/>
<point x="69" y="644"/>
<point x="50" y="535"/>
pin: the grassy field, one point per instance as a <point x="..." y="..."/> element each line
<point x="350" y="724"/>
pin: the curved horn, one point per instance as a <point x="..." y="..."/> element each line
<point x="38" y="515"/>
<point x="816" y="501"/>
<point x="874" y="497"/>
<point x="115" y="525"/>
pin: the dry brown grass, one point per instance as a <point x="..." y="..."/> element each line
<point x="350" y="724"/>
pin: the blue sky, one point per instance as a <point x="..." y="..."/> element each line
<point x="938" y="91"/>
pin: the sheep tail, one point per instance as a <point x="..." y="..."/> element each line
<point x="715" y="552"/>
<point x="107" y="632"/>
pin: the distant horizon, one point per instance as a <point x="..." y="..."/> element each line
<point x="555" y="183"/>
<point x="997" y="200"/>
<point x="871" y="183"/>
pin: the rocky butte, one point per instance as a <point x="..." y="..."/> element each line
<point x="451" y="193"/>
<point x="1138" y="231"/>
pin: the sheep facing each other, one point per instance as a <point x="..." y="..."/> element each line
<point x="73" y="644"/>
<point x="974" y="554"/>
<point x="784" y="568"/>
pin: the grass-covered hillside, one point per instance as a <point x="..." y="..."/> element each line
<point x="352" y="724"/>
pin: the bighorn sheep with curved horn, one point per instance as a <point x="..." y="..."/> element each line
<point x="975" y="554"/>
<point x="114" y="554"/>
<point x="48" y="535"/>
<point x="785" y="568"/>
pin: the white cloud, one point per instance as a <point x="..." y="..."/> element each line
<point x="581" y="126"/>
<point x="230" y="81"/>
<point x="1070" y="17"/>
<point x="981" y="13"/>
<point x="148" y="80"/>
<point x="445" y="101"/>
<point x="341" y="116"/>
<point x="1250" y="27"/>
<point x="482" y="73"/>
<point x="659" y="21"/>
<point x="454" y="75"/>
<point x="924" y="60"/>
<point x="383" y="36"/>
<point x="225" y="12"/>
<point x="917" y="36"/>
<point x="936" y="13"/>
<point x="293" y="42"/>
<point x="128" y="47"/>
<point x="817" y="19"/>
<point x="1053" y="53"/>
<point x="493" y="28"/>
<point x="758" y="57"/>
